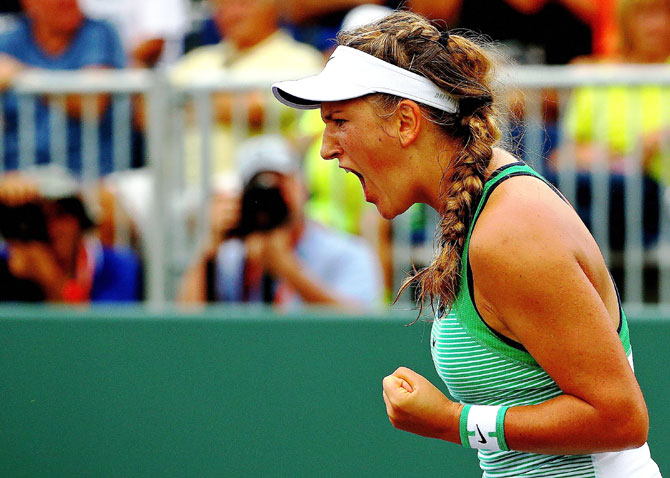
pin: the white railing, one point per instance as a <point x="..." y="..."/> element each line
<point x="170" y="236"/>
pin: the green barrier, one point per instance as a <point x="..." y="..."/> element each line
<point x="231" y="392"/>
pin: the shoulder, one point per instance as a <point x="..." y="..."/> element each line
<point x="281" y="50"/>
<point x="193" y="63"/>
<point x="120" y="259"/>
<point x="98" y="28"/>
<point x="14" y="35"/>
<point x="310" y="57"/>
<point x="98" y="43"/>
<point x="206" y="52"/>
<point x="525" y="227"/>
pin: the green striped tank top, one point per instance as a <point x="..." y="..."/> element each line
<point x="480" y="366"/>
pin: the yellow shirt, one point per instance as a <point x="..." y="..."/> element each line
<point x="619" y="118"/>
<point x="278" y="55"/>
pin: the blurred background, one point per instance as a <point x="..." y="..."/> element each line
<point x="168" y="230"/>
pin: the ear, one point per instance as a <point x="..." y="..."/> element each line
<point x="408" y="121"/>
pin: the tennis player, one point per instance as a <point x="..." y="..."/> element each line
<point x="530" y="336"/>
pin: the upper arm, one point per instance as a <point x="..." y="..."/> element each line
<point x="526" y="269"/>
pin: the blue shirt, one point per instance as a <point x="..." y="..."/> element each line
<point x="343" y="263"/>
<point x="117" y="277"/>
<point x="95" y="44"/>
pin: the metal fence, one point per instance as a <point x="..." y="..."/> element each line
<point x="176" y="213"/>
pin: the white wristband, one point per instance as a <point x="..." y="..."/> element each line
<point x="482" y="427"/>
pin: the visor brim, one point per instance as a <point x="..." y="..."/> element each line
<point x="308" y="93"/>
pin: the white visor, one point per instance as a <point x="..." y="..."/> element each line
<point x="351" y="73"/>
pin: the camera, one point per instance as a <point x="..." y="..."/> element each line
<point x="263" y="206"/>
<point x="23" y="223"/>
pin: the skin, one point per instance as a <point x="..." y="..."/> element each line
<point x="48" y="264"/>
<point x="244" y="25"/>
<point x="647" y="30"/>
<point x="537" y="272"/>
<point x="55" y="22"/>
<point x="361" y="142"/>
<point x="54" y="25"/>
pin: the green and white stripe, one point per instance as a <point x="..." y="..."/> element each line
<point x="479" y="368"/>
<point x="475" y="374"/>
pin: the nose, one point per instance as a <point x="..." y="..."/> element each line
<point x="330" y="149"/>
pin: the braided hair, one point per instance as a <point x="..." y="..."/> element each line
<point x="465" y="70"/>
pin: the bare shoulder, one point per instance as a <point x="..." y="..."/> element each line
<point x="524" y="217"/>
<point x="530" y="251"/>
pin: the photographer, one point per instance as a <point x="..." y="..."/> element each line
<point x="263" y="249"/>
<point x="47" y="255"/>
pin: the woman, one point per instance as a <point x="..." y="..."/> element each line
<point x="530" y="336"/>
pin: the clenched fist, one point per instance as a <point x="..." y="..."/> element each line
<point x="415" y="405"/>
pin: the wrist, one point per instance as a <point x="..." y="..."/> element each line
<point x="482" y="427"/>
<point x="284" y="263"/>
<point x="452" y="433"/>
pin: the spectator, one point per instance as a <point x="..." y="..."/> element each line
<point x="253" y="46"/>
<point x="262" y="248"/>
<point x="526" y="27"/>
<point x="598" y="124"/>
<point x="54" y="35"/>
<point x="152" y="31"/>
<point x="48" y="255"/>
<point x="317" y="22"/>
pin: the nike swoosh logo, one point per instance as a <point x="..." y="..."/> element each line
<point x="482" y="440"/>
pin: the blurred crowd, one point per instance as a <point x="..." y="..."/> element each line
<point x="285" y="227"/>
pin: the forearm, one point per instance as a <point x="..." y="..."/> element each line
<point x="567" y="425"/>
<point x="76" y="105"/>
<point x="147" y="53"/>
<point x="564" y="425"/>
<point x="193" y="287"/>
<point x="10" y="67"/>
<point x="53" y="288"/>
<point x="251" y="106"/>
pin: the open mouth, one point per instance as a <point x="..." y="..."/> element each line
<point x="358" y="175"/>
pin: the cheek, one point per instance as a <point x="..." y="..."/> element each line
<point x="368" y="150"/>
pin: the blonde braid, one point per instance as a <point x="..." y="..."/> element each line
<point x="463" y="69"/>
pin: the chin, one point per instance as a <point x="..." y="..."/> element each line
<point x="386" y="215"/>
<point x="390" y="211"/>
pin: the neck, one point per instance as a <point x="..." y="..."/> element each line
<point x="445" y="173"/>
<point x="257" y="39"/>
<point x="438" y="173"/>
<point x="51" y="41"/>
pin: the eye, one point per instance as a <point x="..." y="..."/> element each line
<point x="339" y="122"/>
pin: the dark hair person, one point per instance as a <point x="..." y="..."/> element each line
<point x="530" y="337"/>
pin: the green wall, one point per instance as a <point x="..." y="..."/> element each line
<point x="232" y="392"/>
